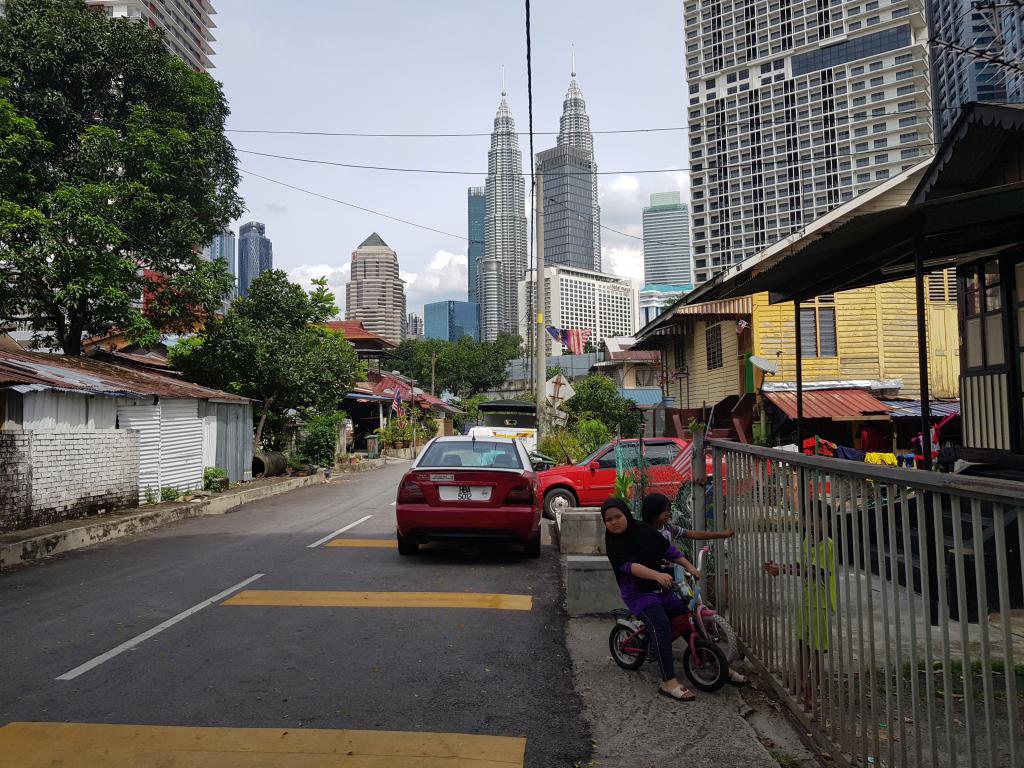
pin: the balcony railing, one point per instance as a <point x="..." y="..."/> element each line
<point x="894" y="627"/>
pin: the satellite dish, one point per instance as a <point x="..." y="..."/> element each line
<point x="768" y="366"/>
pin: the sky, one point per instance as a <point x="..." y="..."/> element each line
<point x="409" y="66"/>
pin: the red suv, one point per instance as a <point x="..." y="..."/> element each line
<point x="591" y="481"/>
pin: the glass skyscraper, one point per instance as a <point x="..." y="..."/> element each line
<point x="451" y="320"/>
<point x="568" y="206"/>
<point x="574" y="131"/>
<point x="667" y="257"/>
<point x="476" y="208"/>
<point x="222" y="247"/>
<point x="255" y="254"/>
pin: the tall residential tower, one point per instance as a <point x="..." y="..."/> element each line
<point x="795" y="107"/>
<point x="995" y="32"/>
<point x="375" y="293"/>
<point x="505" y="229"/>
<point x="186" y="25"/>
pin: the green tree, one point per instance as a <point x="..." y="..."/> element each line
<point x="464" y="367"/>
<point x="268" y="347"/>
<point x="597" y="397"/>
<point x="114" y="168"/>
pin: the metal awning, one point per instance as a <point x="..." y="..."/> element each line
<point x="938" y="409"/>
<point x="834" y="404"/>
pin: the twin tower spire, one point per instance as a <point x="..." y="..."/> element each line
<point x="496" y="276"/>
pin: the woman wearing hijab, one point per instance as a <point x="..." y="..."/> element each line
<point x="638" y="554"/>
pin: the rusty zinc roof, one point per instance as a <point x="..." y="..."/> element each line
<point x="837" y="404"/>
<point x="33" y="371"/>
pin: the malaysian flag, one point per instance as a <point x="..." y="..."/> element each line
<point x="577" y="339"/>
<point x="683" y="463"/>
<point x="396" y="403"/>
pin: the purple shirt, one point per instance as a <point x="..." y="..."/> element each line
<point x="636" y="598"/>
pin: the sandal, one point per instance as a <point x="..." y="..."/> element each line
<point x="679" y="694"/>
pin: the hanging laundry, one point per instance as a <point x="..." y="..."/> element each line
<point x="885" y="459"/>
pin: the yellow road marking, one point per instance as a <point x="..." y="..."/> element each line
<point x="318" y="599"/>
<point x="35" y="745"/>
<point x="382" y="543"/>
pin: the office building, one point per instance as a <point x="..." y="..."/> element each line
<point x="375" y="294"/>
<point x="568" y="207"/>
<point x="451" y="320"/>
<point x="255" y="254"/>
<point x="656" y="298"/>
<point x="505" y="238"/>
<point x="797" y="113"/>
<point x="476" y="210"/>
<point x="667" y="257"/>
<point x="606" y="305"/>
<point x="222" y="247"/>
<point x="995" y="32"/>
<point x="186" y="24"/>
<point x="574" y="131"/>
<point x="414" y="326"/>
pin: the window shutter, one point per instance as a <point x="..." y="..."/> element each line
<point x="827" y="331"/>
<point x="808" y="333"/>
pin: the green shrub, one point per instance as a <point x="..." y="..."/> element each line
<point x="563" y="446"/>
<point x="212" y="477"/>
<point x="322" y="437"/>
<point x="592" y="434"/>
<point x="150" y="495"/>
<point x="167" y="493"/>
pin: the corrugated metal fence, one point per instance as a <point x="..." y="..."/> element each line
<point x="886" y="605"/>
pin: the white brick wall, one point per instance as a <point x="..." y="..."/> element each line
<point x="47" y="477"/>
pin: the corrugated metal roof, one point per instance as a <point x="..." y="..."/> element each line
<point x="644" y="397"/>
<point x="742" y="305"/>
<point x="355" y="332"/>
<point x="30" y="371"/>
<point x="912" y="408"/>
<point x="829" y="403"/>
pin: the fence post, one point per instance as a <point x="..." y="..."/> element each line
<point x="700" y="478"/>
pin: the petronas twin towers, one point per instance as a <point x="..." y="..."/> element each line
<point x="570" y="205"/>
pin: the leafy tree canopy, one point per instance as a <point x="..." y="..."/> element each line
<point x="597" y="397"/>
<point x="268" y="347"/>
<point x="114" y="168"/>
<point x="463" y="367"/>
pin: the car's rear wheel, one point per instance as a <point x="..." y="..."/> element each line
<point x="407" y="546"/>
<point x="532" y="547"/>
<point x="558" y="499"/>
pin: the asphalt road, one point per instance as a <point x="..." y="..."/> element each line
<point x="289" y="666"/>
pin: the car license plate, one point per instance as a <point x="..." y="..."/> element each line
<point x="442" y="478"/>
<point x="464" y="492"/>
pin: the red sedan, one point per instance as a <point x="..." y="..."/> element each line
<point x="592" y="480"/>
<point x="464" y="488"/>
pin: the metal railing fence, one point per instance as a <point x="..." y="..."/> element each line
<point x="887" y="605"/>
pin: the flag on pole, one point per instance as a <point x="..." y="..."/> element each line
<point x="683" y="463"/>
<point x="741" y="325"/>
<point x="396" y="403"/>
<point x="555" y="333"/>
<point x="577" y="339"/>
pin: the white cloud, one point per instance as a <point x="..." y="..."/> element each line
<point x="444" y="278"/>
<point x="337" y="277"/>
<point x="624" y="261"/>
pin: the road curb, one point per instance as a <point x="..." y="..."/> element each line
<point x="32" y="547"/>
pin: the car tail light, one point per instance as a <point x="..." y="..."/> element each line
<point x="410" y="492"/>
<point x="520" y="493"/>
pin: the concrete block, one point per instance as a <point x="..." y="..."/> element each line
<point x="590" y="586"/>
<point x="580" y="531"/>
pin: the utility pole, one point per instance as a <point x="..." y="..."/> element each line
<point x="433" y="360"/>
<point x="540" y="365"/>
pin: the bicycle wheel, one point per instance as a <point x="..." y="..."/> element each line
<point x="709" y="671"/>
<point x="724" y="636"/>
<point x="628" y="650"/>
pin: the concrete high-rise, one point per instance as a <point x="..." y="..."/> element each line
<point x="667" y="257"/>
<point x="375" y="293"/>
<point x="795" y="114"/>
<point x="476" y="231"/>
<point x="574" y="131"/>
<point x="186" y="24"/>
<point x="995" y="32"/>
<point x="568" y="207"/>
<point x="255" y="254"/>
<point x="451" y="320"/>
<point x="414" y="326"/>
<point x="505" y="243"/>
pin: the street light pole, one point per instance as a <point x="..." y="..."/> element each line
<point x="541" y="361"/>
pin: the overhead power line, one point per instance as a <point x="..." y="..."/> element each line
<point x="778" y="159"/>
